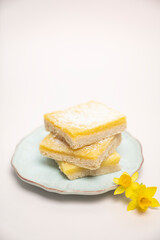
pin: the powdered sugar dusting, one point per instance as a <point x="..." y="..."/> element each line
<point x="85" y="116"/>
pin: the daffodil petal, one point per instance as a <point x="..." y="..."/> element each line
<point x="132" y="205"/>
<point x="154" y="203"/>
<point x="150" y="191"/>
<point x="125" y="173"/>
<point x="135" y="185"/>
<point x="116" y="180"/>
<point x="131" y="191"/>
<point x="134" y="176"/>
<point x="119" y="190"/>
<point x="142" y="189"/>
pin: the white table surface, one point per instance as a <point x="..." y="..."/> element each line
<point x="55" y="54"/>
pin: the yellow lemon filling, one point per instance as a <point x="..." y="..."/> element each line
<point x="93" y="151"/>
<point x="85" y="119"/>
<point x="69" y="169"/>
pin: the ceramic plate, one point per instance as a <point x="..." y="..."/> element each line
<point x="43" y="172"/>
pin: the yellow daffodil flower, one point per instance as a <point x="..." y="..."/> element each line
<point x="142" y="198"/>
<point x="126" y="183"/>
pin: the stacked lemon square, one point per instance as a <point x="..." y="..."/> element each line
<point x="83" y="139"/>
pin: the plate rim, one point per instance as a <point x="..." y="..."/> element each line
<point x="75" y="192"/>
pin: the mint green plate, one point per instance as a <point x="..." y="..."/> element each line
<point x="43" y="172"/>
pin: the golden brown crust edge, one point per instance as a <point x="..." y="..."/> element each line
<point x="82" y="141"/>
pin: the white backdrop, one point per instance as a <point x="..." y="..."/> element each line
<point x="55" y="54"/>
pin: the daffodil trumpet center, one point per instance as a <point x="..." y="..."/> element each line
<point x="125" y="180"/>
<point x="144" y="202"/>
